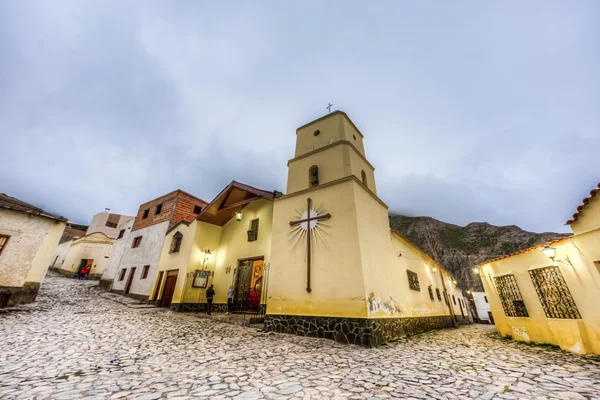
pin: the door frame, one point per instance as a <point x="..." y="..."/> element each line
<point x="235" y="279"/>
<point x="129" y="280"/>
<point x="166" y="278"/>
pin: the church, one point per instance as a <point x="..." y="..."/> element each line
<point x="319" y="260"/>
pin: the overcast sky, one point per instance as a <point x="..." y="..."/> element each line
<point x="471" y="111"/>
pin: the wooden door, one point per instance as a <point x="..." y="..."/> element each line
<point x="130" y="280"/>
<point x="242" y="285"/>
<point x="167" y="296"/>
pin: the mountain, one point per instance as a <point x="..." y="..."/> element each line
<point x="459" y="248"/>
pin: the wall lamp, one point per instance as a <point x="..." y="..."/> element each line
<point x="550" y="252"/>
<point x="476" y="270"/>
<point x="239" y="214"/>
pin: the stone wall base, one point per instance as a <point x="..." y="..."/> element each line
<point x="22" y="295"/>
<point x="106" y="284"/>
<point x="139" y="297"/>
<point x="366" y="332"/>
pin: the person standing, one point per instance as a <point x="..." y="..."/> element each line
<point x="210" y="293"/>
<point x="230" y="299"/>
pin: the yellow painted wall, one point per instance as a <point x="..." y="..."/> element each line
<point x="332" y="128"/>
<point x="44" y="254"/>
<point x="227" y="244"/>
<point x="337" y="281"/>
<point x="94" y="246"/>
<point x="330" y="162"/>
<point x="583" y="281"/>
<point x="589" y="218"/>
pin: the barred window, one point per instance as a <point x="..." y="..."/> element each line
<point x="413" y="280"/>
<point x="253" y="231"/>
<point x="176" y="242"/>
<point x="554" y="294"/>
<point x="439" y="295"/>
<point x="510" y="296"/>
<point x="430" y="292"/>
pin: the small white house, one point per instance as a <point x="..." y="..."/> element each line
<point x="484" y="313"/>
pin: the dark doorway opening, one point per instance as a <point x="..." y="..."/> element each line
<point x="130" y="280"/>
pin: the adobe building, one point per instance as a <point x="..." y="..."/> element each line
<point x="28" y="237"/>
<point x="227" y="245"/>
<point x="90" y="251"/>
<point x="550" y="293"/>
<point x="134" y="263"/>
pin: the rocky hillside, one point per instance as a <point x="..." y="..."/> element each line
<point x="459" y="248"/>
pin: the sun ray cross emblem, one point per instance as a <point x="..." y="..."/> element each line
<point x="309" y="227"/>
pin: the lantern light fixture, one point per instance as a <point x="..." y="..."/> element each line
<point x="239" y="215"/>
<point x="550" y="252"/>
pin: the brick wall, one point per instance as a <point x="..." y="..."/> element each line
<point x="71" y="233"/>
<point x="176" y="206"/>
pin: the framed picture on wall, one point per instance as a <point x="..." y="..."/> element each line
<point x="200" y="279"/>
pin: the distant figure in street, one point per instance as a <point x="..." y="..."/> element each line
<point x="210" y="293"/>
<point x="230" y="299"/>
<point x="84" y="272"/>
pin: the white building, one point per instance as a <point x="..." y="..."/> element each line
<point x="28" y="238"/>
<point x="484" y="313"/>
<point x="133" y="264"/>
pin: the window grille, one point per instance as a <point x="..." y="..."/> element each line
<point x="439" y="295"/>
<point x="510" y="296"/>
<point x="176" y="242"/>
<point x="413" y="280"/>
<point x="253" y="231"/>
<point x="430" y="292"/>
<point x="554" y="294"/>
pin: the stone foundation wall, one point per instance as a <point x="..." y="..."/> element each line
<point x="360" y="331"/>
<point x="105" y="284"/>
<point x="201" y="307"/>
<point x="139" y="297"/>
<point x="22" y="295"/>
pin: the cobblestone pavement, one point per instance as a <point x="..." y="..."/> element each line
<point x="74" y="343"/>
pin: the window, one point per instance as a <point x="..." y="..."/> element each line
<point x="364" y="177"/>
<point x="121" y="233"/>
<point x="454" y="299"/>
<point x="176" y="242"/>
<point x="510" y="296"/>
<point x="485" y="298"/>
<point x="413" y="280"/>
<point x="145" y="271"/>
<point x="145" y="214"/>
<point x="316" y="133"/>
<point x="313" y="176"/>
<point x="430" y="292"/>
<point x="439" y="295"/>
<point x="111" y="224"/>
<point x="554" y="294"/>
<point x="136" y="242"/>
<point x="197" y="209"/>
<point x="354" y="136"/>
<point x="122" y="274"/>
<point x="3" y="241"/>
<point x="253" y="231"/>
<point x="158" y="209"/>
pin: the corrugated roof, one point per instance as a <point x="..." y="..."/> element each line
<point x="12" y="203"/>
<point x="585" y="202"/>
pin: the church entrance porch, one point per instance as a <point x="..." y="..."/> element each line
<point x="248" y="285"/>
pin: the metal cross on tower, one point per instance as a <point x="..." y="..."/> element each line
<point x="309" y="218"/>
<point x="329" y="107"/>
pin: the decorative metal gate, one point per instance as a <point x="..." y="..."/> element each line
<point x="554" y="294"/>
<point x="510" y="296"/>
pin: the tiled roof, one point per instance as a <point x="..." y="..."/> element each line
<point x="17" y="205"/>
<point x="537" y="246"/>
<point x="585" y="203"/>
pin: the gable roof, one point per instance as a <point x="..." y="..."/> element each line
<point x="585" y="202"/>
<point x="527" y="250"/>
<point x="14" y="204"/>
<point x="235" y="196"/>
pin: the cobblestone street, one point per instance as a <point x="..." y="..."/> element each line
<point x="74" y="343"/>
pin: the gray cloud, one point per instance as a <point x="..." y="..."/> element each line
<point x="471" y="112"/>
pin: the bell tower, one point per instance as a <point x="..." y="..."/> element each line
<point x="327" y="150"/>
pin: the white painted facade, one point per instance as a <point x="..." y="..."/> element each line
<point x="117" y="252"/>
<point x="98" y="224"/>
<point x="148" y="253"/>
<point x="482" y="306"/>
<point x="30" y="248"/>
<point x="61" y="254"/>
